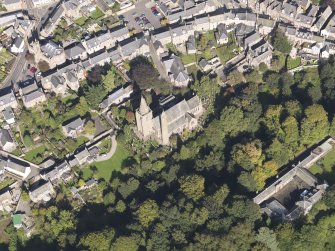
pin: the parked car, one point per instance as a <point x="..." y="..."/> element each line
<point x="155" y="11"/>
<point x="33" y="69"/>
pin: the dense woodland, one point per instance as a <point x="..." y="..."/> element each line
<point x="197" y="195"/>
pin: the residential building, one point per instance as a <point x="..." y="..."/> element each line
<point x="73" y="128"/>
<point x="53" y="20"/>
<point x="50" y="49"/>
<point x="41" y="3"/>
<point x="56" y="173"/>
<point x="117" y="97"/>
<point x="6" y="201"/>
<point x="16" y="167"/>
<point x="221" y="35"/>
<point x="172" y="117"/>
<point x="191" y="45"/>
<point x="42" y="192"/>
<point x="99" y="42"/>
<point x="18" y="45"/>
<point x="133" y="47"/>
<point x="8" y="115"/>
<point x="6" y="141"/>
<point x="82" y="156"/>
<point x="33" y="98"/>
<point x="321" y="21"/>
<point x="7" y="98"/>
<point x="90" y="183"/>
<point x="75" y="51"/>
<point x="176" y="71"/>
<point x="58" y="85"/>
<point x="12" y="5"/>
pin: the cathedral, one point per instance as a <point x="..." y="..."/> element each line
<point x="171" y="117"/>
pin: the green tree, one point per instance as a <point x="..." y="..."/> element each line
<point x="281" y="43"/>
<point x="97" y="241"/>
<point x="120" y="206"/>
<point x="125" y="243"/>
<point x="82" y="107"/>
<point x="248" y="181"/>
<point x="109" y="198"/>
<point x="261" y="173"/>
<point x="291" y="133"/>
<point x="94" y="94"/>
<point x="147" y="212"/>
<point x="278" y="152"/>
<point x="247" y="155"/>
<point x="314" y="126"/>
<point x="268" y="238"/>
<point x="145" y="75"/>
<point x="89" y="128"/>
<point x="193" y="186"/>
<point x="125" y="189"/>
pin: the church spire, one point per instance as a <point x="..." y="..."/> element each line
<point x="144" y="108"/>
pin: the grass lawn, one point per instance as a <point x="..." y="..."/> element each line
<point x="81" y="140"/>
<point x="5" y="56"/>
<point x="192" y="70"/>
<point x="5" y="183"/>
<point x="293" y="62"/>
<point x="188" y="58"/>
<point x="105" y="146"/>
<point x="325" y="168"/>
<point x="106" y="168"/>
<point x="97" y="14"/>
<point x="80" y="21"/>
<point x="32" y="154"/>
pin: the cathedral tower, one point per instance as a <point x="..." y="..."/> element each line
<point x="144" y="119"/>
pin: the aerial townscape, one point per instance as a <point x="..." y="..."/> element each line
<point x="167" y="125"/>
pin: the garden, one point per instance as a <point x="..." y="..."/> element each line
<point x="5" y="59"/>
<point x="105" y="169"/>
<point x="41" y="127"/>
<point x="324" y="169"/>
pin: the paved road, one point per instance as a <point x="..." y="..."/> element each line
<point x="158" y="63"/>
<point x="16" y="70"/>
<point x="20" y="62"/>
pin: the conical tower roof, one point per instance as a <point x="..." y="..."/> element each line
<point x="144" y="108"/>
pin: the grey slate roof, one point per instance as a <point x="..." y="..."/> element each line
<point x="17" y="165"/>
<point x="8" y="2"/>
<point x="96" y="41"/>
<point x="74" y="124"/>
<point x="57" y="80"/>
<point x="33" y="95"/>
<point x="119" y="32"/>
<point x="42" y="189"/>
<point x="84" y="153"/>
<point x="6" y="96"/>
<point x="74" y="50"/>
<point x="8" y="113"/>
<point x="175" y="69"/>
<point x="176" y="115"/>
<point x="5" y="137"/>
<point x="51" y="49"/>
<point x="221" y="33"/>
<point x="57" y="14"/>
<point x="18" y="41"/>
